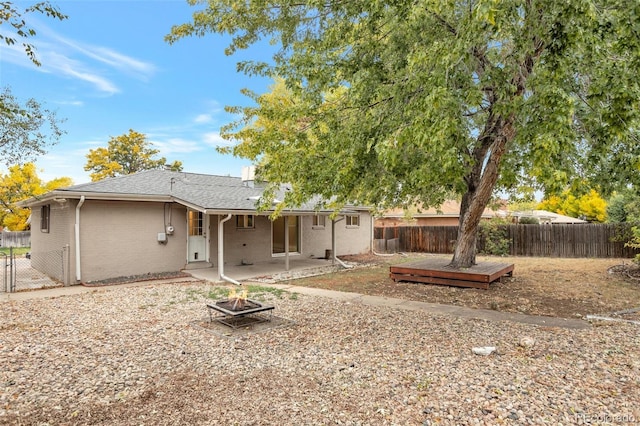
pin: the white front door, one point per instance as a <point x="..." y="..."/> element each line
<point x="198" y="225"/>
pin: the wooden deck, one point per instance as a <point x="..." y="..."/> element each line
<point x="436" y="271"/>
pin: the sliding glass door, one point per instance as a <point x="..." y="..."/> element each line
<point x="278" y="235"/>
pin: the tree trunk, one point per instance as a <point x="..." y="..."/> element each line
<point x="480" y="184"/>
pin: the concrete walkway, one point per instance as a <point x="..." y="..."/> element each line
<point x="408" y="305"/>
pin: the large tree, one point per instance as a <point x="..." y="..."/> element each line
<point x="26" y="131"/>
<point x="401" y="102"/>
<point x="16" y="18"/>
<point x="125" y="154"/>
<point x="23" y="128"/>
<point x="20" y="183"/>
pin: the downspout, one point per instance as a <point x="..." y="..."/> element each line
<point x="221" y="275"/>
<point x="334" y="256"/>
<point x="77" y="229"/>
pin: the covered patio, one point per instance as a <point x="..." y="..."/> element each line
<point x="274" y="267"/>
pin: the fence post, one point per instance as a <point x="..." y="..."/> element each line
<point x="66" y="265"/>
<point x="12" y="271"/>
<point x="4" y="272"/>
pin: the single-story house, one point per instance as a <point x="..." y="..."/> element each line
<point x="447" y="214"/>
<point x="546" y="217"/>
<point x="160" y="221"/>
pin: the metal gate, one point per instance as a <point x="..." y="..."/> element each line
<point x="18" y="274"/>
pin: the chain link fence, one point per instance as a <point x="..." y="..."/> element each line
<point x="18" y="274"/>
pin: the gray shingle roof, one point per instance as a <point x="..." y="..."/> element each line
<point x="207" y="192"/>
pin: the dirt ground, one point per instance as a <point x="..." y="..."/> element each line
<point x="567" y="288"/>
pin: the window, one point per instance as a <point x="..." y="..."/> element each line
<point x="279" y="232"/>
<point x="44" y="218"/>
<point x="318" y="221"/>
<point x="245" y="221"/>
<point x="353" y="220"/>
<point x="195" y="222"/>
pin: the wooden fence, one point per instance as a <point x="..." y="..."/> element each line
<point x="588" y="240"/>
<point x="15" y="239"/>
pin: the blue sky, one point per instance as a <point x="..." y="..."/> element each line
<point x="107" y="69"/>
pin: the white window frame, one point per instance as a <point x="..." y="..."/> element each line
<point x="195" y="220"/>
<point x="319" y="221"/>
<point x="45" y="218"/>
<point x="246" y="221"/>
<point x="350" y="219"/>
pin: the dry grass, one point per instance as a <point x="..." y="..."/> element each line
<point x="565" y="288"/>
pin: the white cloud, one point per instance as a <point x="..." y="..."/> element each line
<point x="75" y="69"/>
<point x="53" y="166"/>
<point x="214" y="139"/>
<point x="102" y="54"/>
<point x="203" y="118"/>
<point x="119" y="61"/>
<point x="69" y="58"/>
<point x="176" y="145"/>
<point x="71" y="103"/>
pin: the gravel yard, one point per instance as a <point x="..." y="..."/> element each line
<point x="145" y="356"/>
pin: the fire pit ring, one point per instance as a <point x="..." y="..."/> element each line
<point x="234" y="315"/>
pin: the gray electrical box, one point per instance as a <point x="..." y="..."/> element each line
<point x="162" y="237"/>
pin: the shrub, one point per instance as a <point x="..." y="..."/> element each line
<point x="529" y="221"/>
<point x="634" y="242"/>
<point x="494" y="237"/>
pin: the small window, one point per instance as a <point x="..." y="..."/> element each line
<point x="353" y="220"/>
<point x="318" y="221"/>
<point x="44" y="218"/>
<point x="245" y="221"/>
<point x="196" y="219"/>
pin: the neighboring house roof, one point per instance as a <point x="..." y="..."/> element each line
<point x="203" y="192"/>
<point x="544" y="216"/>
<point x="450" y="208"/>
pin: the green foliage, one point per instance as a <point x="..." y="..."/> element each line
<point x="257" y="292"/>
<point x="18" y="251"/>
<point x="616" y="208"/>
<point x="528" y="221"/>
<point x="624" y="206"/>
<point x="523" y="206"/>
<point x="26" y="131"/>
<point x="125" y="154"/>
<point x="261" y="292"/>
<point x="402" y="103"/>
<point x="494" y="237"/>
<point x="20" y="183"/>
<point x="16" y="19"/>
<point x="634" y="241"/>
<point x="217" y="293"/>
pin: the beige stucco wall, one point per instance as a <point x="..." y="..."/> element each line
<point x="255" y="245"/>
<point x="250" y="245"/>
<point x="349" y="239"/>
<point x="120" y="238"/>
<point x="50" y="251"/>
